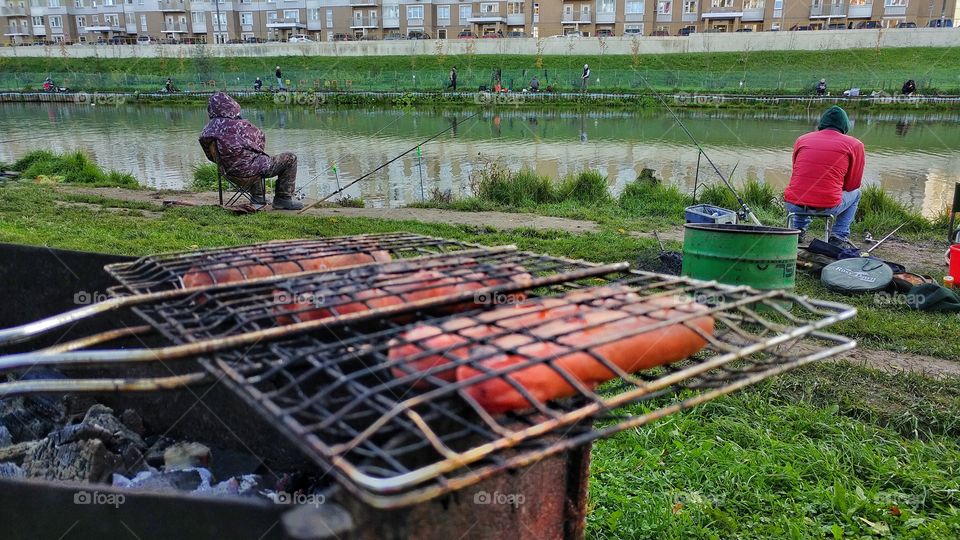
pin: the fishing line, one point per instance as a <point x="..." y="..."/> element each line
<point x="743" y="205"/>
<point x="334" y="164"/>
<point x="418" y="145"/>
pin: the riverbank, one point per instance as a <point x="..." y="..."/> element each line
<point x="749" y="72"/>
<point x="830" y="449"/>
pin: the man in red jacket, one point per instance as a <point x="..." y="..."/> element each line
<point x="827" y="169"/>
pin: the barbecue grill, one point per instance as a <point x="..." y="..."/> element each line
<point x="310" y="352"/>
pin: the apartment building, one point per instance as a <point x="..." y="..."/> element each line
<point x="222" y="21"/>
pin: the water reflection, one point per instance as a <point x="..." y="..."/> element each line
<point x="912" y="155"/>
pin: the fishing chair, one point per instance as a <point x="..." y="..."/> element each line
<point x="828" y="220"/>
<point x="243" y="188"/>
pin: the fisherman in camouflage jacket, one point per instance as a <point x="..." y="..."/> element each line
<point x="241" y="145"/>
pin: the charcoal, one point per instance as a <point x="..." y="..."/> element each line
<point x="6" y="438"/>
<point x="153" y="480"/>
<point x="154" y="455"/>
<point x="84" y="460"/>
<point x="10" y="470"/>
<point x="132" y="420"/>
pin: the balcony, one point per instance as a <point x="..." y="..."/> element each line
<point x="362" y="3"/>
<point x="175" y="27"/>
<point x="366" y="22"/>
<point x="894" y="11"/>
<point x="823" y="11"/>
<point x="246" y="28"/>
<point x="200" y="27"/>
<point x="39" y="30"/>
<point x="722" y="13"/>
<point x="285" y="24"/>
<point x="414" y="21"/>
<point x="516" y="19"/>
<point x="575" y="17"/>
<point x="482" y="18"/>
<point x="131" y="28"/>
<point x="13" y="12"/>
<point x="16" y="31"/>
<point x="97" y="27"/>
<point x="391" y="22"/>
<point x="864" y="11"/>
<point x="664" y="17"/>
<point x="633" y="17"/>
<point x="172" y="6"/>
<point x="443" y="22"/>
<point x="688" y="17"/>
<point x="606" y="18"/>
<point x="56" y="29"/>
<point x="314" y="25"/>
<point x="752" y="14"/>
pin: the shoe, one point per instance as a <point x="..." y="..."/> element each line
<point x="259" y="201"/>
<point x="802" y="239"/>
<point x="841" y="242"/>
<point x="286" y="204"/>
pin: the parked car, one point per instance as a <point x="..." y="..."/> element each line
<point x="941" y="23"/>
<point x="687" y="31"/>
<point x="491" y="35"/>
<point x="369" y="37"/>
<point x="605" y="32"/>
<point x="907" y="25"/>
<point x="416" y="34"/>
<point x="799" y="27"/>
<point x="342" y="37"/>
<point x="744" y="30"/>
<point x="254" y="40"/>
<point x="394" y="35"/>
<point x="300" y="38"/>
<point x="142" y="40"/>
<point x="632" y="32"/>
<point x="660" y="33"/>
<point x="866" y="25"/>
<point x="516" y="34"/>
<point x="837" y="26"/>
<point x="466" y="34"/>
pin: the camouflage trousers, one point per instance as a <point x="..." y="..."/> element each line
<point x="284" y="167"/>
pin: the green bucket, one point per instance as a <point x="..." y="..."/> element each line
<point x="764" y="258"/>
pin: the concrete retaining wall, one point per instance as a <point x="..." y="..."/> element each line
<point x="697" y="43"/>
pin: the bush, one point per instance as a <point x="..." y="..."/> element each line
<point x="497" y="184"/>
<point x="204" y="177"/>
<point x="649" y="196"/>
<point x="587" y="187"/>
<point x="758" y="195"/>
<point x="880" y="213"/>
<point x="75" y="168"/>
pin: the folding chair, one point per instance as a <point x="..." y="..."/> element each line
<point x="243" y="188"/>
<point x="827" y="218"/>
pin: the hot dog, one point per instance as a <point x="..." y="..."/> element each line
<point x="250" y="268"/>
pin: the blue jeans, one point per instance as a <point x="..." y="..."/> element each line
<point x="843" y="213"/>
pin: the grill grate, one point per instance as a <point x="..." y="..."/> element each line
<point x="163" y="272"/>
<point x="397" y="436"/>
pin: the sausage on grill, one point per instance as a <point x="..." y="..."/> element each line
<point x="251" y="269"/>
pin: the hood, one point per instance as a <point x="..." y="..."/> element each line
<point x="834" y="118"/>
<point x="223" y="106"/>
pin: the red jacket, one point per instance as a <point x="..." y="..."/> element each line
<point x="825" y="164"/>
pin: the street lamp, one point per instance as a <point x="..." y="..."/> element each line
<point x="216" y="31"/>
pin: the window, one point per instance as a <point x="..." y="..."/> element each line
<point x="220" y="21"/>
<point x="38" y="21"/>
<point x="861" y="3"/>
<point x="109" y="2"/>
<point x="81" y="21"/>
<point x="111" y="20"/>
<point x="634" y="7"/>
<point x="489" y="8"/>
<point x="515" y="8"/>
<point x="465" y="13"/>
<point x="56" y="21"/>
<point x="78" y="3"/>
<point x="53" y="3"/>
<point x="391" y="12"/>
<point x="143" y="23"/>
<point x="606" y="6"/>
<point x="690" y="6"/>
<point x="199" y="17"/>
<point x="329" y="36"/>
<point x="756" y="4"/>
<point x="441" y="33"/>
<point x="895" y="3"/>
<point x="414" y="12"/>
<point x="95" y="20"/>
<point x="721" y="3"/>
<point x="665" y="7"/>
<point x="313" y="14"/>
<point x="292" y="15"/>
<point x="777" y="4"/>
<point x="246" y="18"/>
<point x="329" y="18"/>
<point x="633" y="29"/>
<point x="443" y="12"/>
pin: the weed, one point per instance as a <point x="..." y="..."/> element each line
<point x="204" y="177"/>
<point x="74" y="168"/>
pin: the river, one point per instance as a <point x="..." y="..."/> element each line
<point x="912" y="155"/>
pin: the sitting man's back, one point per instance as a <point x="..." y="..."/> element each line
<point x="241" y="150"/>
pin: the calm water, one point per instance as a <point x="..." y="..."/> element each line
<point x="914" y="156"/>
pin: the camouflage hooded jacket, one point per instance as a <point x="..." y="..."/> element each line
<point x="239" y="143"/>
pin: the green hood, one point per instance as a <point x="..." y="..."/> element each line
<point x="835" y="118"/>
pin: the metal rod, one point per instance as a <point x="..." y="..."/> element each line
<point x="420" y="167"/>
<point x="68" y="386"/>
<point x="176" y="352"/>
<point x="885" y="238"/>
<point x="743" y="204"/>
<point x="102" y="337"/>
<point x="18" y="334"/>
<point x="386" y="163"/>
<point x="696" y="176"/>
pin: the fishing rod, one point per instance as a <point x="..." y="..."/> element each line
<point x="418" y="145"/>
<point x="743" y="205"/>
<point x="299" y="192"/>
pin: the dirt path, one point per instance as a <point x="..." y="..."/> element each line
<point x="497" y="220"/>
<point x="899" y="362"/>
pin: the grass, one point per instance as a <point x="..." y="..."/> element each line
<point x="74" y="168"/>
<point x="762" y="71"/>
<point x="204" y="177"/>
<point x="827" y="451"/>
